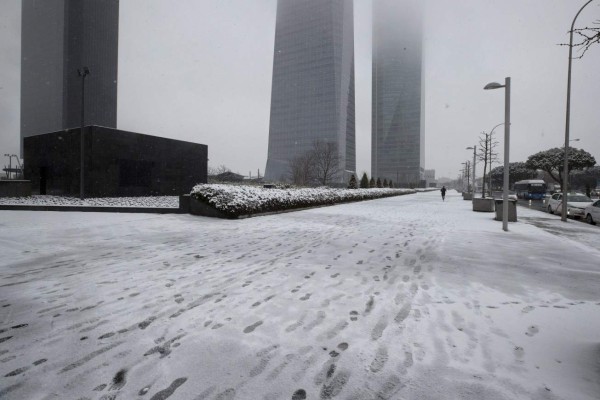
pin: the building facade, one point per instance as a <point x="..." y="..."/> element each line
<point x="312" y="96"/>
<point x="116" y="163"/>
<point x="398" y="135"/>
<point x="430" y="180"/>
<point x="58" y="38"/>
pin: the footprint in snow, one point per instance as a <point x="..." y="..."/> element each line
<point x="299" y="394"/>
<point x="519" y="351"/>
<point x="532" y="330"/>
<point x="252" y="327"/>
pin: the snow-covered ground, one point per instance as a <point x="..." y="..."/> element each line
<point x="47" y="200"/>
<point x="399" y="298"/>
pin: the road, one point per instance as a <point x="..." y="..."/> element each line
<point x="538" y="205"/>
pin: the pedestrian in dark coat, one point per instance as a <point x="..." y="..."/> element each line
<point x="443" y="190"/>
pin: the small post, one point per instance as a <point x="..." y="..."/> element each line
<point x="83" y="72"/>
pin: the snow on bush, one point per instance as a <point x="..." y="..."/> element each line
<point x="244" y="200"/>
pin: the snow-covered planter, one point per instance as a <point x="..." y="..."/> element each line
<point x="483" y="205"/>
<point x="229" y="201"/>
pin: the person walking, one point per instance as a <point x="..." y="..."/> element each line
<point x="443" y="190"/>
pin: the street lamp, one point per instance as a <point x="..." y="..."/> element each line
<point x="506" y="86"/>
<point x="568" y="119"/>
<point x="83" y="72"/>
<point x="474" y="148"/>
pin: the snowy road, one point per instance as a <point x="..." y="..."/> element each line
<point x="399" y="298"/>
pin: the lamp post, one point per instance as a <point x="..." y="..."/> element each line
<point x="568" y="119"/>
<point x="506" y="87"/>
<point x="474" y="148"/>
<point x="83" y="72"/>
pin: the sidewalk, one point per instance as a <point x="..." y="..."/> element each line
<point x="399" y="298"/>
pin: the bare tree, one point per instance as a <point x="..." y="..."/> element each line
<point x="487" y="155"/>
<point x="492" y="158"/>
<point x="587" y="36"/>
<point x="217" y="170"/>
<point x="301" y="169"/>
<point x="326" y="161"/>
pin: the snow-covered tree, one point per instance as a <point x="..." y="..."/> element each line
<point x="372" y="182"/>
<point x="517" y="171"/>
<point x="378" y="183"/>
<point x="552" y="162"/>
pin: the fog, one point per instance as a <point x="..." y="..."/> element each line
<point x="201" y="71"/>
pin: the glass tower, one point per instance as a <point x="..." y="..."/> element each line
<point x="58" y="37"/>
<point x="397" y="148"/>
<point x="312" y="95"/>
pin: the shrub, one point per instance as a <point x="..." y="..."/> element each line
<point x="364" y="181"/>
<point x="236" y="201"/>
<point x="352" y="183"/>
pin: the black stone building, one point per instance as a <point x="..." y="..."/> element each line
<point x="117" y="163"/>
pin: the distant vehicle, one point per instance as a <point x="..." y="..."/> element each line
<point x="592" y="212"/>
<point x="531" y="189"/>
<point x="576" y="203"/>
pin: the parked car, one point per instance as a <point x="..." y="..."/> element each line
<point x="592" y="212"/>
<point x="576" y="203"/>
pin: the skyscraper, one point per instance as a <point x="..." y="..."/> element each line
<point x="397" y="151"/>
<point x="58" y="38"/>
<point x="312" y="95"/>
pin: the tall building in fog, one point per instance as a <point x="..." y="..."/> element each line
<point x="312" y="94"/>
<point x="397" y="151"/>
<point x="58" y="37"/>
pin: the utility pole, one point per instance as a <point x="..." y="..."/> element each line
<point x="83" y="72"/>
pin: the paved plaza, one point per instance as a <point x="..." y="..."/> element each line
<point x="399" y="298"/>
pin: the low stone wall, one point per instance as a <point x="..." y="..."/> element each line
<point x="199" y="208"/>
<point x="15" y="188"/>
<point x="135" y="210"/>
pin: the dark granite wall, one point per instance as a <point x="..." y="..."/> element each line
<point x="117" y="163"/>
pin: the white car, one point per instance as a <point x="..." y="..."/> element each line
<point x="576" y="203"/>
<point x="592" y="212"/>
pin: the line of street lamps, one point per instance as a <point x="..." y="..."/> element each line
<point x="506" y="86"/>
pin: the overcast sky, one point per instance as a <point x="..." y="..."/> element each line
<point x="200" y="70"/>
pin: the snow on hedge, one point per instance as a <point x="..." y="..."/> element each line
<point x="244" y="200"/>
